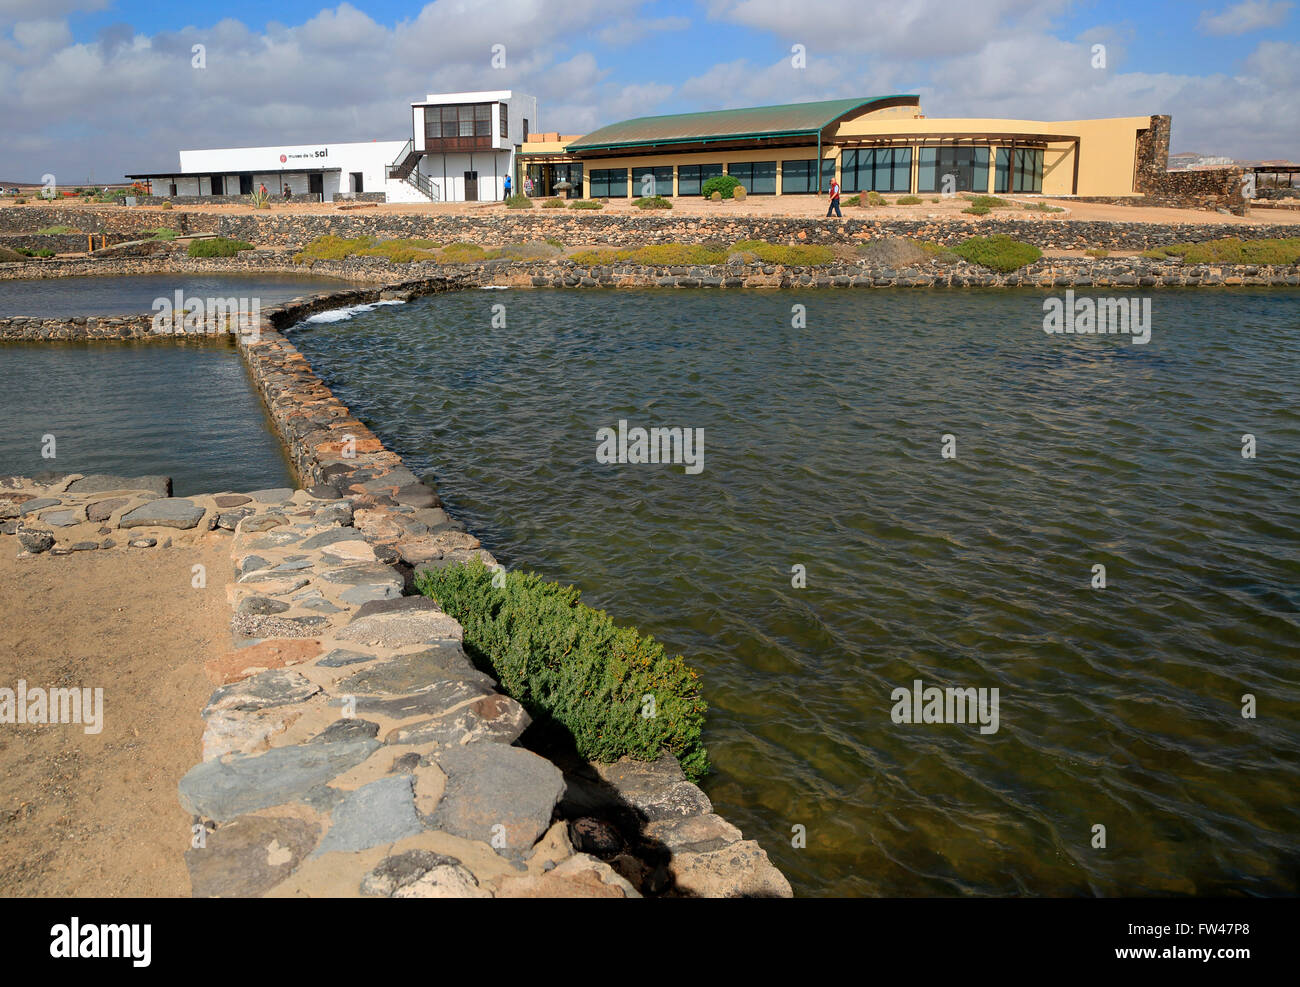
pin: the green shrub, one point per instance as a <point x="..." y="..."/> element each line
<point x="1042" y="207"/>
<point x="853" y="200"/>
<point x="934" y="200"/>
<point x="162" y="233"/>
<point x="29" y="252"/>
<point x="977" y="210"/>
<point x="989" y="201"/>
<point x="217" y="247"/>
<point x="1231" y="250"/>
<point x="652" y="202"/>
<point x="553" y="204"/>
<point x="535" y="250"/>
<point x="519" y="201"/>
<point x="555" y="242"/>
<point x="873" y="198"/>
<point x="586" y="204"/>
<point x="908" y="200"/>
<point x="725" y="184"/>
<point x="795" y="255"/>
<point x="166" y="205"/>
<point x="998" y="253"/>
<point x="461" y="252"/>
<point x="1097" y="252"/>
<point x="573" y="668"/>
<point x="260" y="199"/>
<point x="55" y="230"/>
<point x="396" y="251"/>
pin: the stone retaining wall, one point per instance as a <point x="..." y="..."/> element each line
<point x="106" y="219"/>
<point x="60" y="243"/>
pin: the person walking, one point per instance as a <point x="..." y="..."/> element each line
<point x="835" y="200"/>
<point x="528" y="185"/>
<point x="507" y="195"/>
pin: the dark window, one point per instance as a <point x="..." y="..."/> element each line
<point x="798" y="177"/>
<point x="758" y="177"/>
<point x="967" y="166"/>
<point x="652" y="181"/>
<point x="505" y="120"/>
<point x="450" y="127"/>
<point x="878" y="169"/>
<point x="218" y="185"/>
<point x="1002" y="170"/>
<point x="245" y="184"/>
<point x="525" y="128"/>
<point x="483" y="120"/>
<point x="608" y="183"/>
<point x="690" y="178"/>
<point x="1028" y="172"/>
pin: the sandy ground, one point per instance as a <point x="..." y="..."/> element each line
<point x="806" y="206"/>
<point x="97" y="815"/>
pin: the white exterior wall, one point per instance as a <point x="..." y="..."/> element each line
<point x="370" y="158"/>
<point x="447" y="172"/>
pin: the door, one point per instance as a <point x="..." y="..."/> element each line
<point x="218" y="185"/>
<point x="316" y="185"/>
<point x="471" y="186"/>
<point x="245" y="184"/>
<point x="356" y="182"/>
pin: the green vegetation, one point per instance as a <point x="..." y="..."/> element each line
<point x="217" y="247"/>
<point x="161" y="233"/>
<point x="573" y="668"/>
<point x="1042" y="207"/>
<point x="977" y="210"/>
<point x="988" y="201"/>
<point x="555" y="242"/>
<point x="1097" y="252"/>
<point x="1231" y="250"/>
<point x="680" y="254"/>
<point x="553" y="204"/>
<point x="652" y="202"/>
<point x="873" y="198"/>
<point x="519" y="201"/>
<point x="260" y="199"/>
<point x="939" y="253"/>
<point x="726" y="184"/>
<point x="853" y="200"/>
<point x="908" y="200"/>
<point x="535" y="250"/>
<point x="166" y="205"/>
<point x="461" y="252"/>
<point x="998" y="253"/>
<point x="29" y="252"/>
<point x="586" y="204"/>
<point x="398" y="251"/>
<point x="56" y="230"/>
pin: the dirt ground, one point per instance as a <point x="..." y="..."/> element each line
<point x="96" y="814"/>
<point x="806" y="206"/>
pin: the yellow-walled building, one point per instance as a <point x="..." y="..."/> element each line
<point x="883" y="144"/>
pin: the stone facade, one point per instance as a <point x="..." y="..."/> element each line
<point x="1218" y="188"/>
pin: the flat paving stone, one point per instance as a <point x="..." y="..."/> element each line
<point x="103" y="482"/>
<point x="435" y="699"/>
<point x="381" y="812"/>
<point x="65" y="518"/>
<point x="166" y="512"/>
<point x="393" y="630"/>
<point x="39" y="504"/>
<point x="271" y="495"/>
<point x="492" y="719"/>
<point x="275" y="687"/>
<point x="369" y="592"/>
<point x="231" y="500"/>
<point x="249" y="856"/>
<point x="360" y="575"/>
<point x="334" y="536"/>
<point x="223" y="789"/>
<point x="409" y="673"/>
<point x="340" y="657"/>
<point x="491" y="785"/>
<point x="102" y="510"/>
<point x="261" y="626"/>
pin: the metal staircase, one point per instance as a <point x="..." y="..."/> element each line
<point x="405" y="167"/>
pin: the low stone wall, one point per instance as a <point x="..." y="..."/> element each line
<point x="121" y="220"/>
<point x="359" y="197"/>
<point x="60" y="243"/>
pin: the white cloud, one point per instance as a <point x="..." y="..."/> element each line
<point x="632" y="30"/>
<point x="1241" y="18"/>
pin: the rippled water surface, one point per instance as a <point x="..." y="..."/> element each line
<point x="1119" y="707"/>
<point x="185" y="411"/>
<point x="129" y="294"/>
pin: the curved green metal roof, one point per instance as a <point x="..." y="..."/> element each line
<point x="788" y="119"/>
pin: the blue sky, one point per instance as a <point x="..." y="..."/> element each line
<point x="108" y="85"/>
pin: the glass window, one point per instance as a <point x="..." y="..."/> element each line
<point x="652" y="181"/>
<point x="690" y="178"/>
<point x="1002" y="170"/>
<point x="483" y="120"/>
<point x="878" y="169"/>
<point x="505" y="120"/>
<point x="758" y="177"/>
<point x="953" y="168"/>
<point x="1028" y="172"/>
<point x="800" y="176"/>
<point x="608" y="183"/>
<point x="450" y="128"/>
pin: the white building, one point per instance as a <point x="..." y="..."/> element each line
<point x="462" y="147"/>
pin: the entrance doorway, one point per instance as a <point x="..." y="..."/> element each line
<point x="471" y="186"/>
<point x="316" y="185"/>
<point x="245" y="184"/>
<point x="218" y="185"/>
<point x="356" y="182"/>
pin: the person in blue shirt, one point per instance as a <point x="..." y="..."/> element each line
<point x="507" y="195"/>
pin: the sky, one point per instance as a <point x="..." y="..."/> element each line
<point x="93" y="89"/>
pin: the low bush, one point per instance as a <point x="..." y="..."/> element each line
<point x="1231" y="250"/>
<point x="1097" y="252"/>
<point x="652" y="202"/>
<point x="939" y="253"/>
<point x="908" y="200"/>
<point x="217" y="247"/>
<point x="397" y="251"/>
<point x="553" y="204"/>
<point x="873" y="198"/>
<point x="977" y="210"/>
<point x="535" y="250"/>
<point x="55" y="230"/>
<point x="461" y="252"/>
<point x="724" y="184"/>
<point x="853" y="200"/>
<point x="998" y="253"/>
<point x="789" y="255"/>
<point x="893" y="252"/>
<point x="586" y="204"/>
<point x="573" y="668"/>
<point x="519" y="201"/>
<point x="989" y="201"/>
<point x="29" y="252"/>
<point x="162" y="233"/>
<point x="555" y="242"/>
<point x="1042" y="207"/>
<point x="166" y="205"/>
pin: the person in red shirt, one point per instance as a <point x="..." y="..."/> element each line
<point x="835" y="200"/>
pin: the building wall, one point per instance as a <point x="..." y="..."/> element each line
<point x="447" y="172"/>
<point x="370" y="158"/>
<point x="626" y="162"/>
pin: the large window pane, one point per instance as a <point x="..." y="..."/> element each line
<point x="690" y="178"/>
<point x="797" y="177"/>
<point x="652" y="181"/>
<point x="849" y="170"/>
<point x="902" y="181"/>
<point x="927" y="170"/>
<point x="758" y="177"/>
<point x="450" y="127"/>
<point x="1002" y="171"/>
<point x="953" y="168"/>
<point x="608" y="183"/>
